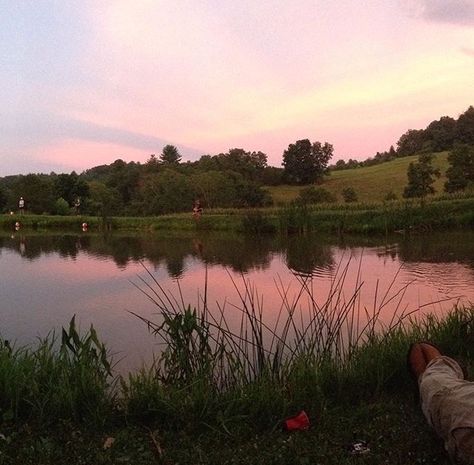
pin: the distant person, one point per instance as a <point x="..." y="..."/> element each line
<point x="197" y="210"/>
<point x="447" y="399"/>
<point x="77" y="205"/>
<point x="21" y="205"/>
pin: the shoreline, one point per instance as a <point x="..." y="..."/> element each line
<point x="393" y="217"/>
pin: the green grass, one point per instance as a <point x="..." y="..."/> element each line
<point x="371" y="183"/>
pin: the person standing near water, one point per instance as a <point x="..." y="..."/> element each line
<point x="77" y="205"/>
<point x="197" y="209"/>
<point x="21" y="205"/>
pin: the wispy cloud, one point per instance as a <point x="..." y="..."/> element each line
<point x="51" y="127"/>
<point x="447" y="11"/>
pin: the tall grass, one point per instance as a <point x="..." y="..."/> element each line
<point x="72" y="380"/>
<point x="316" y="352"/>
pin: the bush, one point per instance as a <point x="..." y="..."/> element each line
<point x="61" y="207"/>
<point x="390" y="195"/>
<point x="349" y="194"/>
<point x="315" y="195"/>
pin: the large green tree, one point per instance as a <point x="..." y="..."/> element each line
<point x="465" y="127"/>
<point x="170" y="155"/>
<point x="37" y="192"/>
<point x="440" y="134"/>
<point x="421" y="176"/>
<point x="305" y="162"/>
<point x="70" y="186"/>
<point x="411" y="142"/>
<point x="461" y="170"/>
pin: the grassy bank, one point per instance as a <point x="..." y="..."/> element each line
<point x="215" y="396"/>
<point x="371" y="183"/>
<point x="400" y="216"/>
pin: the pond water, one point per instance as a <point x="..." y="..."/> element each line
<point x="45" y="279"/>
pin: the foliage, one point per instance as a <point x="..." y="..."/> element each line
<point x="349" y="194"/>
<point x="214" y="188"/>
<point x="69" y="187"/>
<point x="37" y="192"/>
<point x="3" y="198"/>
<point x="305" y="162"/>
<point x="438" y="136"/>
<point x="46" y="384"/>
<point x="390" y="195"/>
<point x="61" y="207"/>
<point x="421" y="176"/>
<point x="313" y="194"/>
<point x="255" y="222"/>
<point x="465" y="127"/>
<point x="461" y="170"/>
<point x="166" y="192"/>
<point x="104" y="201"/>
<point x="410" y="143"/>
<point x="170" y="155"/>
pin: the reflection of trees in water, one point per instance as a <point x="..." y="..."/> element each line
<point x="241" y="253"/>
<point x="307" y="254"/>
<point x="32" y="247"/>
<point x="439" y="248"/>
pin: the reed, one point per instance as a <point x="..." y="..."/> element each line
<point x="308" y="358"/>
<point x="70" y="380"/>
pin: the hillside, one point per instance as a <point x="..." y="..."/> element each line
<point x="371" y="183"/>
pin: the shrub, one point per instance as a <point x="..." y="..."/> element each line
<point x="349" y="194"/>
<point x="390" y="195"/>
<point x="315" y="195"/>
<point x="61" y="207"/>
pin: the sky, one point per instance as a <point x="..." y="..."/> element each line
<point x="85" y="82"/>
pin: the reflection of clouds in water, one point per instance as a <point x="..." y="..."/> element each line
<point x="450" y="280"/>
<point x="92" y="279"/>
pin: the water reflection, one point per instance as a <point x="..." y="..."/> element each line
<point x="305" y="255"/>
<point x="46" y="278"/>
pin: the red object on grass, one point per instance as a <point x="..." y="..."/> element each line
<point x="299" y="422"/>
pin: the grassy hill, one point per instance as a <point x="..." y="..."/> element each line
<point x="372" y="183"/>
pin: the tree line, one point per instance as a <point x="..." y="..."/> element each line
<point x="234" y="179"/>
<point x="439" y="136"/>
<point x="165" y="184"/>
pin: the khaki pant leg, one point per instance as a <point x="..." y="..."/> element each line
<point x="462" y="445"/>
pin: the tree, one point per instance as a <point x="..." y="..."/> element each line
<point x="465" y="127"/>
<point x="3" y="198"/>
<point x="69" y="187"/>
<point x="411" y="142"/>
<point x="213" y="189"/>
<point x="421" y="176"/>
<point x="36" y="190"/>
<point x="167" y="192"/>
<point x="61" y="207"/>
<point x="440" y="134"/>
<point x="170" y="155"/>
<point x="152" y="165"/>
<point x="461" y="170"/>
<point x="305" y="163"/>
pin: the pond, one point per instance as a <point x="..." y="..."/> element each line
<point x="49" y="277"/>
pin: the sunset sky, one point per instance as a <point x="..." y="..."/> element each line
<point x="85" y="82"/>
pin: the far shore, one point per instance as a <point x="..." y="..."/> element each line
<point x="379" y="218"/>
